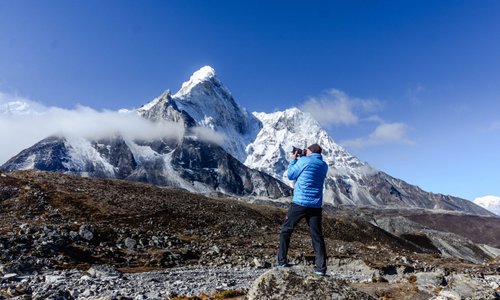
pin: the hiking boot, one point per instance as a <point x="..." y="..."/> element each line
<point x="285" y="265"/>
<point x="320" y="273"/>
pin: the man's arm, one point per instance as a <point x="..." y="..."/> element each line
<point x="295" y="168"/>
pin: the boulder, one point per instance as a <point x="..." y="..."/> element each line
<point x="468" y="286"/>
<point x="104" y="271"/>
<point x="301" y="283"/>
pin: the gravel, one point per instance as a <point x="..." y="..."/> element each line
<point x="107" y="283"/>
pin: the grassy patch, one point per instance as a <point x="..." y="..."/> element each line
<point x="229" y="294"/>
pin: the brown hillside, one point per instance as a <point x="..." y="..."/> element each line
<point x="72" y="221"/>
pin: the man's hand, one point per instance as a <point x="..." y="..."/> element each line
<point x="293" y="156"/>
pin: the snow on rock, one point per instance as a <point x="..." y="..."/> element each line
<point x="82" y="153"/>
<point x="281" y="131"/>
<point x="29" y="163"/>
<point x="211" y="105"/>
<point x="206" y="73"/>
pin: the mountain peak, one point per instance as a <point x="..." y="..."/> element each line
<point x="166" y="94"/>
<point x="165" y="97"/>
<point x="205" y="74"/>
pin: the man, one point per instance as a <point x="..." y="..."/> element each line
<point x="309" y="172"/>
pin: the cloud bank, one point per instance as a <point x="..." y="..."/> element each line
<point x="24" y="122"/>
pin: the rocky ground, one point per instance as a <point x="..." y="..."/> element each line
<point x="105" y="282"/>
<point x="65" y="237"/>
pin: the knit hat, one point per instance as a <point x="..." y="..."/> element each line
<point x="315" y="148"/>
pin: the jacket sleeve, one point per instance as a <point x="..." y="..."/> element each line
<point x="295" y="168"/>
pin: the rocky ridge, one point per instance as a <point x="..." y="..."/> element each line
<point x="187" y="164"/>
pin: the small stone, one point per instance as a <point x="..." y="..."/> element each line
<point x="73" y="235"/>
<point x="74" y="293"/>
<point x="260" y="264"/>
<point x="85" y="278"/>
<point x="130" y="243"/>
<point x="9" y="276"/>
<point x="25" y="228"/>
<point x="87" y="293"/>
<point x="86" y="232"/>
<point x="53" y="278"/>
<point x="215" y="249"/>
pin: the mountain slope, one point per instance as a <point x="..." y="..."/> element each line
<point x="187" y="164"/>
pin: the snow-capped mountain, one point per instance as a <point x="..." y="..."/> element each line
<point x="491" y="203"/>
<point x="281" y="131"/>
<point x="349" y="180"/>
<point x="251" y="160"/>
<point x="189" y="164"/>
<point x="193" y="162"/>
<point x="211" y="105"/>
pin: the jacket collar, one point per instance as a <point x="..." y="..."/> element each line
<point x="315" y="155"/>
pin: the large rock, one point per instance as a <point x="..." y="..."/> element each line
<point x="300" y="283"/>
<point x="104" y="271"/>
<point x="470" y="286"/>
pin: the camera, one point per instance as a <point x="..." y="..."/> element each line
<point x="299" y="152"/>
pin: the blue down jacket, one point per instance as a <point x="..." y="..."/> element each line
<point x="309" y="173"/>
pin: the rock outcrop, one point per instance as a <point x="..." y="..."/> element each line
<point x="300" y="283"/>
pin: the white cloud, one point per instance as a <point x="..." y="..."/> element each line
<point x="337" y="108"/>
<point x="17" y="105"/>
<point x="387" y="133"/>
<point x="491" y="203"/>
<point x="24" y="122"/>
<point x="208" y="135"/>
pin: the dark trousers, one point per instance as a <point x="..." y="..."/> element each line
<point x="313" y="217"/>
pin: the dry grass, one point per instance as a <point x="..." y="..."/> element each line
<point x="229" y="294"/>
<point x="412" y="279"/>
<point x="394" y="291"/>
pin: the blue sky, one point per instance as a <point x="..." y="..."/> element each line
<point x="411" y="87"/>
